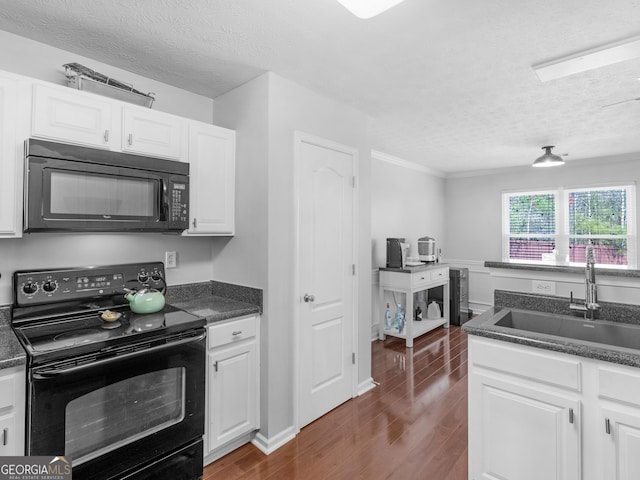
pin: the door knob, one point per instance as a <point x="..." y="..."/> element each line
<point x="308" y="298"/>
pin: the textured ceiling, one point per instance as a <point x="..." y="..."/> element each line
<point x="448" y="83"/>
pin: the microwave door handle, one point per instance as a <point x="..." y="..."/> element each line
<point x="164" y="200"/>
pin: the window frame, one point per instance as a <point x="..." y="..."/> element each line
<point x="562" y="236"/>
<point x="506" y="223"/>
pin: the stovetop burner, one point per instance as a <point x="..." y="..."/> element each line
<point x="70" y="324"/>
<point x="76" y="337"/>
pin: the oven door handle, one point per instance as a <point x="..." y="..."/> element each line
<point x="55" y="372"/>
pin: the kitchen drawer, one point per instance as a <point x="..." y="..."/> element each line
<point x="420" y="279"/>
<point x="527" y="362"/>
<point x="230" y="332"/>
<point x="8" y="387"/>
<point x="439" y="273"/>
<point x="619" y="384"/>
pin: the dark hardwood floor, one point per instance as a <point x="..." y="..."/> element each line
<point x="412" y="426"/>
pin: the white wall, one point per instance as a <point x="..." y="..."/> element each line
<point x="474" y="226"/>
<point x="26" y="57"/>
<point x="407" y="201"/>
<point x="37" y="60"/>
<point x="265" y="154"/>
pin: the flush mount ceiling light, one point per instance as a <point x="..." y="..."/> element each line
<point x="548" y="159"/>
<point x="589" y="59"/>
<point x="368" y="8"/>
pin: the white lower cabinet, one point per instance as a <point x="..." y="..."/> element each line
<point x="524" y="433"/>
<point x="536" y="414"/>
<point x="233" y="382"/>
<point x="621" y="444"/>
<point x="12" y="411"/>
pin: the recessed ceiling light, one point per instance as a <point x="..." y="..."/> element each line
<point x="589" y="59"/>
<point x="368" y="8"/>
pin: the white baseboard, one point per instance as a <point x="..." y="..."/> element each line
<point x="365" y="386"/>
<point x="271" y="444"/>
<point x="228" y="448"/>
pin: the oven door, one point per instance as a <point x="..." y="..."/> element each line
<point x="117" y="415"/>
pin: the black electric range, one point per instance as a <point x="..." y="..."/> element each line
<point x="120" y="399"/>
<point x="58" y="313"/>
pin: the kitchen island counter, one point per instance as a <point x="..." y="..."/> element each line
<point x="484" y="326"/>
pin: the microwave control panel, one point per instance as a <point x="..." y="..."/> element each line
<point x="179" y="204"/>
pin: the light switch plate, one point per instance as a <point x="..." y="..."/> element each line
<point x="170" y="260"/>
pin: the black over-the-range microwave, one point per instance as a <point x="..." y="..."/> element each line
<point x="69" y="188"/>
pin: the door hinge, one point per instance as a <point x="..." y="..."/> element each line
<point x="353" y="358"/>
<point x="353" y="269"/>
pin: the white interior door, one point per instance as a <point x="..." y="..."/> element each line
<point x="326" y="273"/>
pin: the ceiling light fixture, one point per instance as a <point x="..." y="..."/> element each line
<point x="368" y="8"/>
<point x="548" y="159"/>
<point x="589" y="59"/>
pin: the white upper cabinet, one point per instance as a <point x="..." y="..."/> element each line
<point x="72" y="116"/>
<point x="212" y="180"/>
<point x="13" y="124"/>
<point x="153" y="133"/>
<point x="68" y="115"/>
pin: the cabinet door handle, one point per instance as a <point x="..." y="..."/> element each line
<point x="130" y="139"/>
<point x="237" y="332"/>
<point x="215" y="365"/>
<point x="195" y="223"/>
<point x="106" y="136"/>
<point x="5" y="436"/>
<point x="607" y="426"/>
<point x="571" y="415"/>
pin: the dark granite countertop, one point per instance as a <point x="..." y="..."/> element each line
<point x="11" y="352"/>
<point x="483" y="326"/>
<point x="216" y="301"/>
<point x="417" y="268"/>
<point x="217" y="309"/>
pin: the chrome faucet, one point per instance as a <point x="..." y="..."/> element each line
<point x="590" y="305"/>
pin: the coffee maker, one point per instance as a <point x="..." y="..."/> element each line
<point x="396" y="252"/>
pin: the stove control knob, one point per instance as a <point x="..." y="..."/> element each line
<point x="29" y="288"/>
<point x="50" y="286"/>
<point x="143" y="277"/>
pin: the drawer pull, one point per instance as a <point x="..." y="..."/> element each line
<point x="421" y="278"/>
<point x="236" y="333"/>
<point x="5" y="436"/>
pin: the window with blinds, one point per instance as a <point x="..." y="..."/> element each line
<point x="531" y="225"/>
<point x="600" y="217"/>
<point x="556" y="226"/>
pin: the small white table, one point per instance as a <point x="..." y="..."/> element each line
<point x="410" y="280"/>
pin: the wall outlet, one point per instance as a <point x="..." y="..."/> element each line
<point x="170" y="260"/>
<point x="542" y="287"/>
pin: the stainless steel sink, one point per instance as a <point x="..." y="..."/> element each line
<point x="597" y="331"/>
